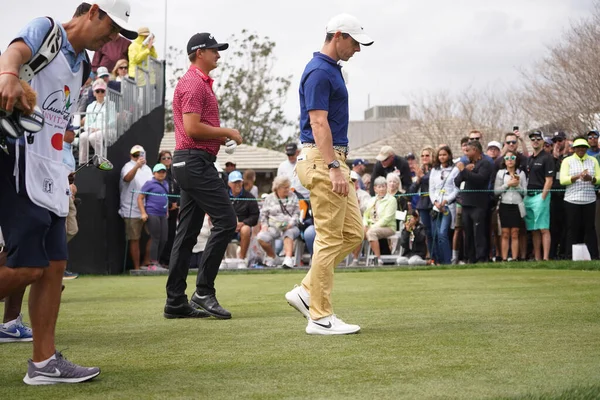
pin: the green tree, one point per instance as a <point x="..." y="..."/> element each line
<point x="251" y="96"/>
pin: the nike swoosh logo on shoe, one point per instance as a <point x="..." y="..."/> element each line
<point x="328" y="326"/>
<point x="13" y="334"/>
<point x="54" y="374"/>
<point x="305" y="305"/>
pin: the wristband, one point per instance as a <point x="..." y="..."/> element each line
<point x="9" y="73"/>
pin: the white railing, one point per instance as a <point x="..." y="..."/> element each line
<point x="137" y="98"/>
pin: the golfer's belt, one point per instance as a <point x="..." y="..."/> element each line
<point x="341" y="149"/>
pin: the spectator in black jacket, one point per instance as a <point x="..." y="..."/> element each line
<point x="476" y="176"/>
<point x="413" y="241"/>
<point x="246" y="211"/>
<point x="424" y="205"/>
<point x="388" y="161"/>
<point x="166" y="158"/>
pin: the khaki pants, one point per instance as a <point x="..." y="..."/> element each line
<point x="338" y="226"/>
<point x="377" y="232"/>
<point x="72" y="226"/>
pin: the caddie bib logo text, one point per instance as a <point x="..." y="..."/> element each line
<point x="56" y="108"/>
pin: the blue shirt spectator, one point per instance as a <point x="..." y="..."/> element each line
<point x="322" y="87"/>
<point x="156" y="204"/>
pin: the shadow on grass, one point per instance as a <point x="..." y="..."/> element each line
<point x="576" y="393"/>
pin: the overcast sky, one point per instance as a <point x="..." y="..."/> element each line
<point x="419" y="44"/>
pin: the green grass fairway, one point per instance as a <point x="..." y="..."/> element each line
<point x="445" y="334"/>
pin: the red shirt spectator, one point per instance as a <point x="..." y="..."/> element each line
<point x="110" y="53"/>
<point x="194" y="94"/>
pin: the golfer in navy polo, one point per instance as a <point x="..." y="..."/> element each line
<point x="198" y="137"/>
<point x="322" y="169"/>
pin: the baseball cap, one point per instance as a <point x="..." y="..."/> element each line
<point x="410" y="156"/>
<point x="548" y="141"/>
<point x="384" y="153"/>
<point x="204" y="40"/>
<point x="136" y="149"/>
<point x="99" y="84"/>
<point x="559" y="135"/>
<point x="102" y="71"/>
<point x="580" y="143"/>
<point x="536" y="133"/>
<point x="494" y="143"/>
<point x="235" y="176"/>
<point x="347" y="23"/>
<point x="354" y="175"/>
<point x="593" y="132"/>
<point x="359" y="161"/>
<point x="118" y="11"/>
<point x="230" y="162"/>
<point x="291" y="149"/>
<point x="159" y="167"/>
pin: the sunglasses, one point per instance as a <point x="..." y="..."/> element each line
<point x="425" y="155"/>
<point x="165" y="158"/>
<point x="100" y="91"/>
<point x="510" y="158"/>
<point x="592" y="136"/>
<point x="559" y="140"/>
<point x="135" y="155"/>
<point x="474" y="138"/>
<point x="536" y="139"/>
<point x="511" y="142"/>
<point x="123" y="67"/>
<point x="547" y="144"/>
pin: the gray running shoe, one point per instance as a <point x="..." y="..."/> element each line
<point x="59" y="371"/>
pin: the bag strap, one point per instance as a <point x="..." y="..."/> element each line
<point x="51" y="45"/>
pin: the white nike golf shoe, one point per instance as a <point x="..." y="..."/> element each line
<point x="330" y="325"/>
<point x="299" y="298"/>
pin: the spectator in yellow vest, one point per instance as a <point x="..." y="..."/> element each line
<point x="140" y="49"/>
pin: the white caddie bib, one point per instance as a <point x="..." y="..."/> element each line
<point x="46" y="177"/>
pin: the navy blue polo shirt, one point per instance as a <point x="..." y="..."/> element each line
<point x="322" y="87"/>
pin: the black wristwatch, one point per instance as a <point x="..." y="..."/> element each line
<point x="333" y="164"/>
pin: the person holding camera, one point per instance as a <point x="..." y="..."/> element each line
<point x="413" y="241"/>
<point x="140" y="50"/>
<point x="511" y="186"/>
<point x="475" y="201"/>
<point x="580" y="173"/>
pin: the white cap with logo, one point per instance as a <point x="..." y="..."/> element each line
<point x="118" y="11"/>
<point x="347" y="23"/>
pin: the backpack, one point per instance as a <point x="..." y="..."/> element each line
<point x="49" y="49"/>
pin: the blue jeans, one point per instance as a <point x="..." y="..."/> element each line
<point x="309" y="238"/>
<point x="426" y="221"/>
<point x="441" y="239"/>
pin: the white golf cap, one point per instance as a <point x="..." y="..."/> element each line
<point x="118" y="11"/>
<point x="346" y="23"/>
<point x="496" y="144"/>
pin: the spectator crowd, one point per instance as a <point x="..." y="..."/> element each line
<point x="494" y="202"/>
